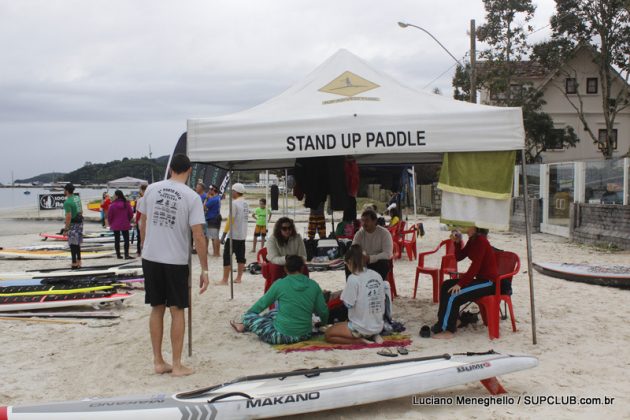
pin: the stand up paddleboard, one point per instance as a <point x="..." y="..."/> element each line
<point x="19" y="254"/>
<point x="603" y="275"/>
<point x="29" y="303"/>
<point x="126" y="270"/>
<point x="296" y="392"/>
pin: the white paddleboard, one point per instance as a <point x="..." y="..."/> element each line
<point x="290" y="393"/>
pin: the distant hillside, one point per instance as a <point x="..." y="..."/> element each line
<point x="101" y="173"/>
<point x="43" y="178"/>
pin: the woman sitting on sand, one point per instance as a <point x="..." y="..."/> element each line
<point x="298" y="298"/>
<point x="364" y="296"/>
<point x="478" y="281"/>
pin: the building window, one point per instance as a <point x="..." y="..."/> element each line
<point x="591" y="85"/>
<point x="554" y="141"/>
<point x="570" y="85"/>
<point x="602" y="138"/>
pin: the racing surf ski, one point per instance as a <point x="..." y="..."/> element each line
<point x="295" y="392"/>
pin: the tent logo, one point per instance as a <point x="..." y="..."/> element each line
<point x="349" y="84"/>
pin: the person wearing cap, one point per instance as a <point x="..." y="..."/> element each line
<point x="237" y="230"/>
<point x="213" y="218"/>
<point x="170" y="210"/>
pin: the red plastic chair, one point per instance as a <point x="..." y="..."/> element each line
<point x="409" y="243"/>
<point x="390" y="275"/>
<point x="508" y="264"/>
<point x="397" y="238"/>
<point x="272" y="272"/>
<point x="448" y="265"/>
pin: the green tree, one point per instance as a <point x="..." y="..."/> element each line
<point x="604" y="27"/>
<point x="504" y="31"/>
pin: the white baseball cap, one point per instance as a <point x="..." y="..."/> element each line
<point x="239" y="188"/>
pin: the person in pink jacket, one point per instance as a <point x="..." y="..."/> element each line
<point x="119" y="218"/>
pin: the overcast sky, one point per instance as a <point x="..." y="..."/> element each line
<point x="100" y="80"/>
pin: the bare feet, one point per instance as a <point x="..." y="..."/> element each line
<point x="444" y="335"/>
<point x="182" y="371"/>
<point x="377" y="339"/>
<point x="237" y="280"/>
<point x="238" y="326"/>
<point x="220" y="283"/>
<point x="161" y="368"/>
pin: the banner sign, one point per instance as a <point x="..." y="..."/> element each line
<point x="51" y="201"/>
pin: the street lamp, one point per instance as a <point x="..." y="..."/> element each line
<point x="404" y="25"/>
<point x="473" y="76"/>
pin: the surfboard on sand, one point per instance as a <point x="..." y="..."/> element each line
<point x="20" y="254"/>
<point x="603" y="275"/>
<point x="295" y="392"/>
<point x="116" y="271"/>
<point x="29" y="303"/>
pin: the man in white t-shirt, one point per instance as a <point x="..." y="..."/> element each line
<point x="237" y="230"/>
<point x="170" y="209"/>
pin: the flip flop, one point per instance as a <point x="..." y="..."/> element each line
<point x="386" y="352"/>
<point x="402" y="351"/>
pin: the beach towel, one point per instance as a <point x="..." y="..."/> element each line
<point x="319" y="343"/>
<point x="477" y="189"/>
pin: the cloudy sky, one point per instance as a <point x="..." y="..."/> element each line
<point x="100" y="80"/>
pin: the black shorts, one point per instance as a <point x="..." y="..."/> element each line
<point x="238" y="249"/>
<point x="165" y="284"/>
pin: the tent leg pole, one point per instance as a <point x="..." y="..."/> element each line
<point x="231" y="222"/>
<point x="528" y="238"/>
<point x="413" y="185"/>
<point x="190" y="334"/>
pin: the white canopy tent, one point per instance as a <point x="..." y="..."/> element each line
<point x="345" y="107"/>
<point x="127" y="182"/>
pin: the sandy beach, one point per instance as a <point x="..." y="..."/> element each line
<point x="582" y="338"/>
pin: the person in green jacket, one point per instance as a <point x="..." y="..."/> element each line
<point x="298" y="298"/>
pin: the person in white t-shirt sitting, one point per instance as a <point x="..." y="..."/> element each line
<point x="364" y="296"/>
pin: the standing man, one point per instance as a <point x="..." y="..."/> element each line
<point x="170" y="209"/>
<point x="237" y="228"/>
<point x="376" y="242"/>
<point x="213" y="218"/>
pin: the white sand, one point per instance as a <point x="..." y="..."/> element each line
<point x="582" y="345"/>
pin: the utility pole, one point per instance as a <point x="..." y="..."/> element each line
<point x="473" y="62"/>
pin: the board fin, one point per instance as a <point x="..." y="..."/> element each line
<point x="493" y="386"/>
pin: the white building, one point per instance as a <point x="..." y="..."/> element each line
<point x="579" y="78"/>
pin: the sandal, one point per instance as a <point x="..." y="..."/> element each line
<point x="386" y="352"/>
<point x="402" y="351"/>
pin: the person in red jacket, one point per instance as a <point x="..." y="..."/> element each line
<point x="478" y="281"/>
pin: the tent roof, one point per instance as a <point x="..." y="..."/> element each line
<point x="127" y="181"/>
<point x="345" y="107"/>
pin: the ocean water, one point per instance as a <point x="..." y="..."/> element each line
<point x="14" y="198"/>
